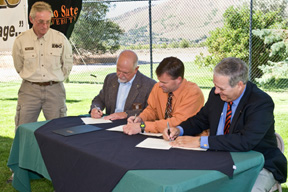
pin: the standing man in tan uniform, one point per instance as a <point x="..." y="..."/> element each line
<point x="43" y="58"/>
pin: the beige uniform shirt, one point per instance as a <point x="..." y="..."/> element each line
<point x="48" y="58"/>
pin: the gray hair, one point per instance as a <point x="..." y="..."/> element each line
<point x="233" y="67"/>
<point x="40" y="6"/>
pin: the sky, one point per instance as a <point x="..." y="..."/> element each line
<point x="123" y="7"/>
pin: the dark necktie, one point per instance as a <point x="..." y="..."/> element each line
<point x="168" y="110"/>
<point x="228" y="118"/>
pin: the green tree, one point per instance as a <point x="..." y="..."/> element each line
<point x="278" y="41"/>
<point x="267" y="6"/>
<point x="232" y="40"/>
<point x="184" y="43"/>
<point x="164" y="45"/>
<point x="174" y="44"/>
<point x="93" y="32"/>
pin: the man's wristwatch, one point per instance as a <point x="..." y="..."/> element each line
<point x="142" y="126"/>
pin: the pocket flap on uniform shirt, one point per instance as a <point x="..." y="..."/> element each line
<point x="56" y="52"/>
<point x="29" y="55"/>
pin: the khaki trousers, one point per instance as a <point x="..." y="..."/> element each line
<point x="33" y="98"/>
<point x="264" y="181"/>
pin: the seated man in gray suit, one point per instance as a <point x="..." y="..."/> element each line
<point x="125" y="92"/>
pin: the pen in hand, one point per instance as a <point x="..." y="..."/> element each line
<point x="135" y="117"/>
<point x="98" y="108"/>
<point x="168" y="131"/>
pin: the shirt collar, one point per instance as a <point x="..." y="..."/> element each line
<point x="35" y="37"/>
<point x="236" y="102"/>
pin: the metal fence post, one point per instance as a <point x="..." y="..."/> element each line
<point x="151" y="43"/>
<point x="250" y="39"/>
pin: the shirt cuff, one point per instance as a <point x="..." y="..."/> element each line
<point x="204" y="142"/>
<point x="181" y="130"/>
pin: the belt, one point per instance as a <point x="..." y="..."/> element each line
<point x="43" y="83"/>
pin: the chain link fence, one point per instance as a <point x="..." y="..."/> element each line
<point x="199" y="32"/>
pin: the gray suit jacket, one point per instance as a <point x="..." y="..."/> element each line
<point x="139" y="92"/>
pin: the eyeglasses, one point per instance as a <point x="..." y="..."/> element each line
<point x="42" y="22"/>
<point x="122" y="72"/>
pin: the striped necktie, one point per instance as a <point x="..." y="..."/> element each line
<point x="228" y="118"/>
<point x="168" y="110"/>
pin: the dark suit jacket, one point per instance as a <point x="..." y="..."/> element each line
<point x="139" y="92"/>
<point x="252" y="128"/>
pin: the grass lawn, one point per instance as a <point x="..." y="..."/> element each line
<point x="202" y="76"/>
<point x="79" y="97"/>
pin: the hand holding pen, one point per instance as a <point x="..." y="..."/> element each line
<point x="96" y="112"/>
<point x="168" y="131"/>
<point x="134" y="119"/>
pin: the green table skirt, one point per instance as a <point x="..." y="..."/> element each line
<point x="26" y="162"/>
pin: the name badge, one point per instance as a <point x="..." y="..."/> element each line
<point x="55" y="45"/>
<point x="137" y="105"/>
<point x="29" y="48"/>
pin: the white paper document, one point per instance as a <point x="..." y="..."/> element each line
<point x="120" y="129"/>
<point x="90" y="120"/>
<point x="153" y="134"/>
<point x="154" y="143"/>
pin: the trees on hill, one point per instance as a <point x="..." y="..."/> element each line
<point x="232" y="40"/>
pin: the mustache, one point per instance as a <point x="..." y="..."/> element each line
<point x="122" y="80"/>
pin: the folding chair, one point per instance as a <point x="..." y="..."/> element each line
<point x="280" y="144"/>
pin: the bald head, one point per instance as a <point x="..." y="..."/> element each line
<point x="127" y="65"/>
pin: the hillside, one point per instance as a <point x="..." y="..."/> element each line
<point x="187" y="19"/>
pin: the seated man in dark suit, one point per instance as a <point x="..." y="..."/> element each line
<point x="125" y="92"/>
<point x="240" y="118"/>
